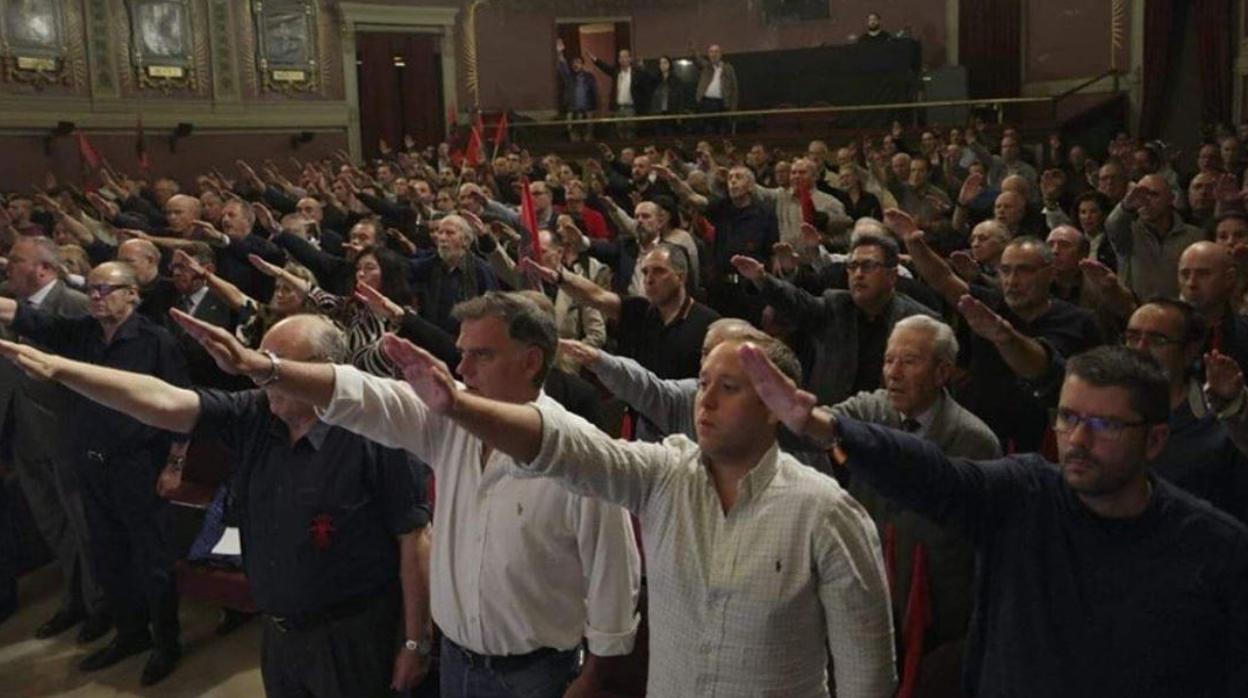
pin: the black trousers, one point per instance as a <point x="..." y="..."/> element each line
<point x="131" y="540"/>
<point x="351" y="657"/>
<point x="711" y="105"/>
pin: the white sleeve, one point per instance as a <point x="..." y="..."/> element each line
<point x="855" y="597"/>
<point x="608" y="552"/>
<point x="589" y="463"/>
<point x="383" y="410"/>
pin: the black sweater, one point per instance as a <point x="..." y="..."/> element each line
<point x="1068" y="603"/>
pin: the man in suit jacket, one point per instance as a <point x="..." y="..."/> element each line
<point x="846" y="330"/>
<point x="717" y="86"/>
<point x="196" y="299"/>
<point x="32" y="419"/>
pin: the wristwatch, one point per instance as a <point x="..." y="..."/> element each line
<point x="274" y="366"/>
<point x="421" y="647"/>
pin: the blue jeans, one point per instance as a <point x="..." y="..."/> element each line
<point x="544" y="677"/>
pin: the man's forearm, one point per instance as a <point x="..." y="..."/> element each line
<point x="1024" y="355"/>
<point x="414" y="549"/>
<point x="146" y="398"/>
<point x="307" y="382"/>
<point x="516" y="430"/>
<point x="936" y="272"/>
<point x="585" y="291"/>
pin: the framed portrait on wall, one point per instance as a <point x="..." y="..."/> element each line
<point x="286" y="35"/>
<point x="32" y="36"/>
<point x="160" y="39"/>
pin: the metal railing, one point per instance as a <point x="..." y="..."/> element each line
<point x="997" y="104"/>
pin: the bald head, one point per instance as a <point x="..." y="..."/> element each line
<point x="1017" y="184"/>
<point x="1207" y="278"/>
<point x="181" y="212"/>
<point x="306" y="337"/>
<point x="143" y="257"/>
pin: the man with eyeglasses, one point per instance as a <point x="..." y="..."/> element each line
<point x="1095" y="577"/>
<point x="1200" y="455"/>
<point x="117" y="461"/>
<point x="849" y="329"/>
<point x="1020" y="333"/>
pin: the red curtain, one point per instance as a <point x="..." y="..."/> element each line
<point x="400" y="89"/>
<point x="1214" y="22"/>
<point x="989" y="45"/>
<point x="1161" y="35"/>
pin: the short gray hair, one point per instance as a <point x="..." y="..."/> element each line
<point x="462" y="225"/>
<point x="327" y="341"/>
<point x="46" y="251"/>
<point x="526" y="322"/>
<point x="944" y="342"/>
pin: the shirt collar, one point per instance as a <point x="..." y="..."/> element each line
<point x="37" y="298"/>
<point x="197" y="297"/>
<point x="315" y="437"/>
<point x="756" y="481"/>
<point x="927" y="416"/>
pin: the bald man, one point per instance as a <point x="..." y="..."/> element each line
<point x="157" y="294"/>
<point x="1148" y="235"/>
<point x="117" y="460"/>
<point x="1207" y="280"/>
<point x="181" y="212"/>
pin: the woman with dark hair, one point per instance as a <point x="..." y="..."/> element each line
<point x="667" y="95"/>
<point x="375" y="268"/>
<point x="1090" y="209"/>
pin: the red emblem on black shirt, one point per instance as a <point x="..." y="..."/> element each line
<point x="322" y="530"/>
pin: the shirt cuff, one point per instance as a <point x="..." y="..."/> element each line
<point x="607" y="644"/>
<point x="348" y="395"/>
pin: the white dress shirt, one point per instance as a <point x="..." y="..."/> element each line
<point x="193" y="300"/>
<point x="746" y="603"/>
<point x="624" y="87"/>
<point x="715" y="89"/>
<point x="517" y="565"/>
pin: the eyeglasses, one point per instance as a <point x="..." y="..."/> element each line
<point x="1105" y="428"/>
<point x="1153" y="339"/>
<point x="104" y="290"/>
<point x="866" y="266"/>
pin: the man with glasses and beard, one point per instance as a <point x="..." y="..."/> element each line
<point x="118" y="461"/>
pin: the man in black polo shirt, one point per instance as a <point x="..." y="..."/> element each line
<point x="333" y="526"/>
<point x="663" y="331"/>
<point x="117" y="460"/>
<point x="1094" y="576"/>
<point x="1021" y="332"/>
<point x="847" y="330"/>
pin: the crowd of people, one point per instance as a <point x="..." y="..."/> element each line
<point x="919" y="405"/>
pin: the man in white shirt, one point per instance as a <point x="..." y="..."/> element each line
<point x="628" y="89"/>
<point x="521" y="570"/>
<point x="717" y="86"/>
<point x="758" y="566"/>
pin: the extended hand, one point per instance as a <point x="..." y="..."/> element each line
<point x="34" y="363"/>
<point x="529" y="265"/>
<point x="580" y="352"/>
<point x="984" y="322"/>
<point x="790" y="404"/>
<point x="902" y="224"/>
<point x="224" y="348"/>
<point x="749" y="267"/>
<point x="1223" y="378"/>
<point x="270" y="270"/>
<point x="429" y="377"/>
<point x="971" y="189"/>
<point x="377" y="302"/>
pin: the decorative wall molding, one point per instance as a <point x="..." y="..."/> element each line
<point x="356" y="16"/>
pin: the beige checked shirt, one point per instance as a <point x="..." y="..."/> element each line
<point x="746" y="603"/>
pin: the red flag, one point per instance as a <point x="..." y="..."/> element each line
<point x="500" y="132"/>
<point x="452" y="117"/>
<point x="87" y="151"/>
<point x="140" y="146"/>
<point x="472" y="154"/>
<point x="528" y="215"/>
<point x="808" y="204"/>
